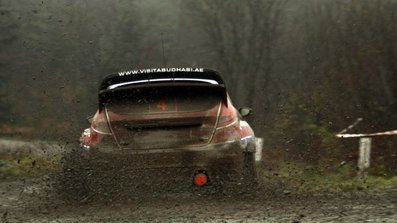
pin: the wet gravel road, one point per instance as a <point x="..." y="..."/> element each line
<point x="31" y="201"/>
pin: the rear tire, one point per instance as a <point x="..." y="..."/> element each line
<point x="249" y="169"/>
<point x="239" y="180"/>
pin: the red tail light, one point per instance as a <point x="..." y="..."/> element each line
<point x="99" y="128"/>
<point x="94" y="139"/>
<point x="200" y="179"/>
<point x="99" y="124"/>
<point x="227" y="117"/>
<point x="226" y="130"/>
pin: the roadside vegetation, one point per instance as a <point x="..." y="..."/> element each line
<point x="20" y="158"/>
<point x="27" y="166"/>
<point x="338" y="177"/>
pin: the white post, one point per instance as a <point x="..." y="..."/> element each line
<point x="259" y="148"/>
<point x="364" y="155"/>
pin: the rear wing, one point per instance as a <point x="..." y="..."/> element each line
<point x="155" y="75"/>
<point x="169" y="77"/>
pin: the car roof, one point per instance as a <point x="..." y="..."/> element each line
<point x="161" y="75"/>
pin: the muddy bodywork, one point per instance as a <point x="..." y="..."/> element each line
<point x="175" y="120"/>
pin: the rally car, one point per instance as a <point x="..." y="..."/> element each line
<point x="174" y="120"/>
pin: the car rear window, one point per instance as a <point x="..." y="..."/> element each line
<point x="164" y="99"/>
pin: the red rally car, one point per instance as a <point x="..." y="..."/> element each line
<point x="171" y="119"/>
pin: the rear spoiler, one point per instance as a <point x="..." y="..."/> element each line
<point x="114" y="84"/>
<point x="147" y="76"/>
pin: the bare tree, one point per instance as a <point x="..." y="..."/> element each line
<point x="243" y="35"/>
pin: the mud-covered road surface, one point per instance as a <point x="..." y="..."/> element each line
<point x="34" y="201"/>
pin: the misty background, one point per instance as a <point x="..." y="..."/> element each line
<point x="308" y="68"/>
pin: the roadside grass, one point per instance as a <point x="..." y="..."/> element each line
<point x="28" y="158"/>
<point x="303" y="177"/>
<point x="27" y="166"/>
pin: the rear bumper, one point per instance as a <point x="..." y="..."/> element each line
<point x="210" y="157"/>
<point x="220" y="161"/>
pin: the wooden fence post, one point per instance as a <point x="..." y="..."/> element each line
<point x="259" y="148"/>
<point x="364" y="156"/>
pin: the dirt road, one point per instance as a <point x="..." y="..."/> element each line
<point x="32" y="201"/>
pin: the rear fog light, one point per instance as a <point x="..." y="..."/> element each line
<point x="200" y="179"/>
